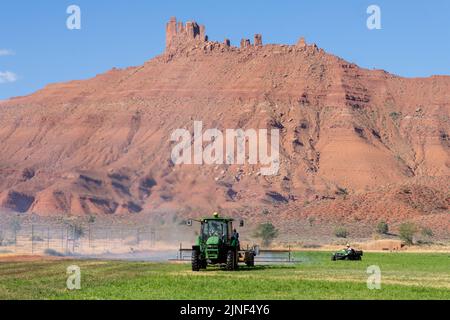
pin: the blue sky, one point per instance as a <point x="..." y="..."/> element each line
<point x="36" y="48"/>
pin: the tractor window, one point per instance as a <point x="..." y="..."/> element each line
<point x="214" y="228"/>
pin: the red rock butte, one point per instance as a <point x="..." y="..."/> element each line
<point x="178" y="33"/>
<point x="356" y="144"/>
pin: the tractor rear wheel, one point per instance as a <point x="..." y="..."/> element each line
<point x="231" y="261"/>
<point x="195" y="260"/>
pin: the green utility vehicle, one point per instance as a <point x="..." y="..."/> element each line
<point x="218" y="244"/>
<point x="347" y="254"/>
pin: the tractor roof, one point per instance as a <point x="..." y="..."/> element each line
<point x="217" y="219"/>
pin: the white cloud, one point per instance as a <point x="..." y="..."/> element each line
<point x="7" y="77"/>
<point x="6" y="52"/>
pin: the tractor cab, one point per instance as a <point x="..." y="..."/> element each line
<point x="218" y="228"/>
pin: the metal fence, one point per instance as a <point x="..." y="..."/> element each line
<point x="68" y="239"/>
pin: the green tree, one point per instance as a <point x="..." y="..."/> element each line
<point x="76" y="227"/>
<point x="16" y="226"/>
<point x="407" y="232"/>
<point x="382" y="227"/>
<point x="91" y="219"/>
<point x="267" y="232"/>
<point x="427" y="232"/>
<point x="341" y="232"/>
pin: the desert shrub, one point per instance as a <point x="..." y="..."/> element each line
<point x="16" y="225"/>
<point x="37" y="239"/>
<point x="53" y="252"/>
<point x="342" y="192"/>
<point x="382" y="227"/>
<point x="341" y="232"/>
<point x="427" y="232"/>
<point x="311" y="246"/>
<point x="395" y="115"/>
<point x="265" y="211"/>
<point x="407" y="232"/>
<point x="266" y="232"/>
<point x="78" y="230"/>
<point x="92" y="219"/>
<point x="311" y="221"/>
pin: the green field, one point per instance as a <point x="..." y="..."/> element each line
<point x="404" y="276"/>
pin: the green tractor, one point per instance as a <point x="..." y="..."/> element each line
<point x="218" y="244"/>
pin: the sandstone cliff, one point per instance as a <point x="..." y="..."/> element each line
<point x="348" y="135"/>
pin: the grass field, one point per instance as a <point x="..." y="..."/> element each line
<point x="404" y="276"/>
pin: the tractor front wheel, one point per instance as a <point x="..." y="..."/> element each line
<point x="195" y="260"/>
<point x="231" y="260"/>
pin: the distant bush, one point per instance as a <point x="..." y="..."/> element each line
<point x="341" y="232"/>
<point x="311" y="246"/>
<point x="382" y="227"/>
<point x="407" y="232"/>
<point x="37" y="239"/>
<point x="16" y="225"/>
<point x="78" y="230"/>
<point x="265" y="211"/>
<point x="52" y="252"/>
<point x="395" y="115"/>
<point x="92" y="219"/>
<point x="311" y="221"/>
<point x="427" y="232"/>
<point x="342" y="192"/>
<point x="267" y="232"/>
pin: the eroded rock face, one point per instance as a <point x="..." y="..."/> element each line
<point x="258" y="40"/>
<point x="103" y="145"/>
<point x="18" y="201"/>
<point x="181" y="33"/>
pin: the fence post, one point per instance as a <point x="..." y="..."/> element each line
<point x="48" y="237"/>
<point x="73" y="239"/>
<point x="15" y="240"/>
<point x="153" y="237"/>
<point x="62" y="238"/>
<point x="32" y="238"/>
<point x="67" y="239"/>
